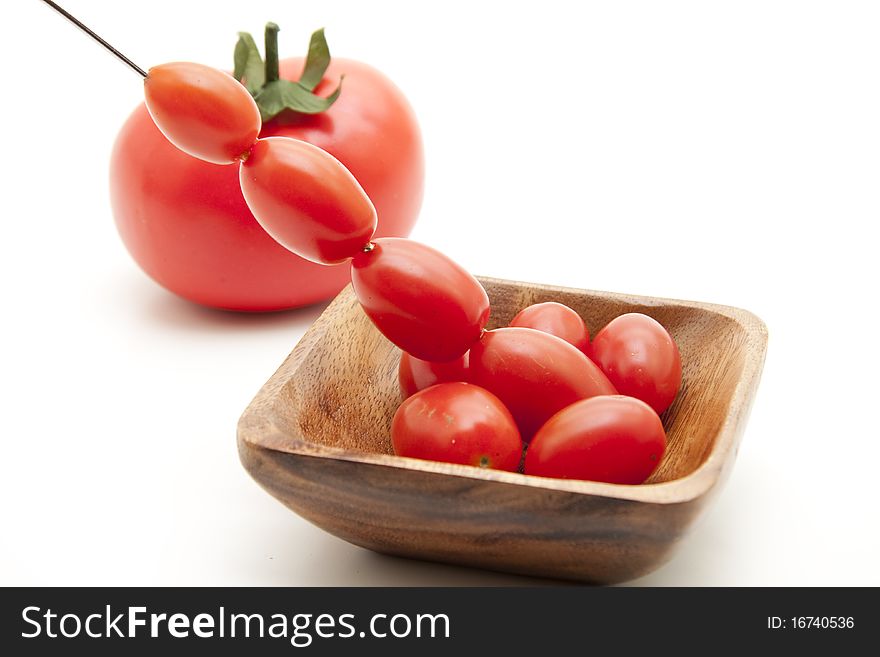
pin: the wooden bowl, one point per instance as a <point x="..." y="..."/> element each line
<point x="317" y="437"/>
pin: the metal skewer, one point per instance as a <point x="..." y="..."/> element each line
<point x="88" y="31"/>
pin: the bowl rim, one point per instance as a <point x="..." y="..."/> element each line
<point x="256" y="428"/>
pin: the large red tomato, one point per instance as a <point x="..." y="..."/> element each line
<point x="185" y="221"/>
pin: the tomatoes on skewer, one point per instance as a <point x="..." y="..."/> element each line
<point x="204" y="112"/>
<point x="422" y="301"/>
<point x="307" y="200"/>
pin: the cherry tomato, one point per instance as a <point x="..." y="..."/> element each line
<point x="615" y="439"/>
<point x="640" y="358"/>
<point x="457" y="423"/>
<point x="414" y="374"/>
<point x="555" y="319"/>
<point x="185" y="222"/>
<point x="307" y="200"/>
<point x="419" y="299"/>
<point x="204" y="112"/>
<point x="534" y="374"/>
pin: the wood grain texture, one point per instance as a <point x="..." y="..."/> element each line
<point x="317" y="437"/>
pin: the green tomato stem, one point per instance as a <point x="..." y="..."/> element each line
<point x="271" y="52"/>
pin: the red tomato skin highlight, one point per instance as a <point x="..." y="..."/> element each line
<point x="457" y="422"/>
<point x="307" y="200"/>
<point x="613" y="439"/>
<point x="203" y="111"/>
<point x="640" y="358"/>
<point x="186" y="224"/>
<point x="414" y="374"/>
<point x="419" y="299"/>
<point x="556" y="319"/>
<point x="534" y="374"/>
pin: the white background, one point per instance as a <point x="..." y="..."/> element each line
<point x="724" y="152"/>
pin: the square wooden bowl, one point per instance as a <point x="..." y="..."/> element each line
<point x="317" y="437"/>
